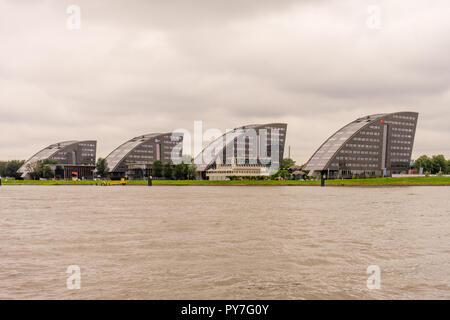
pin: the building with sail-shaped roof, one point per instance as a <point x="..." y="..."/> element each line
<point x="256" y="145"/>
<point x="70" y="159"/>
<point x="135" y="157"/>
<point x="375" y="145"/>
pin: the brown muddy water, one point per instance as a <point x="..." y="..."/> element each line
<point x="212" y="242"/>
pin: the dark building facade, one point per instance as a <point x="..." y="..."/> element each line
<point x="376" y="145"/>
<point x="257" y="144"/>
<point x="134" y="158"/>
<point x="73" y="159"/>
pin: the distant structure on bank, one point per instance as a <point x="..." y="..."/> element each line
<point x="259" y="146"/>
<point x="134" y="158"/>
<point x="73" y="159"/>
<point x="376" y="145"/>
<point x="225" y="171"/>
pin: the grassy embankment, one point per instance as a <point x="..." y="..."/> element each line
<point x="422" y="181"/>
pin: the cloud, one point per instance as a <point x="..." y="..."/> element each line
<point x="149" y="66"/>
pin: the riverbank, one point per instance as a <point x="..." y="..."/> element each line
<point x="413" y="181"/>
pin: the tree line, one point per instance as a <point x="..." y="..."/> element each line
<point x="180" y="171"/>
<point x="434" y="165"/>
<point x="43" y="169"/>
<point x="168" y="171"/>
<point x="9" y="168"/>
<point x="38" y="169"/>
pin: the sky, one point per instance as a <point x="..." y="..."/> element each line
<point x="136" y="67"/>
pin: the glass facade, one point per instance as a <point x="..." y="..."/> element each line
<point x="134" y="156"/>
<point x="258" y="144"/>
<point x="375" y="145"/>
<point x="80" y="153"/>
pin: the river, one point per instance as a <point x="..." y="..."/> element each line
<point x="224" y="242"/>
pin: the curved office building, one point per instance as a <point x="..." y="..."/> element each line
<point x="376" y="145"/>
<point x="134" y="157"/>
<point x="257" y="144"/>
<point x="73" y="159"/>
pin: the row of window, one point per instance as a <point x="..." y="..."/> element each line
<point x="138" y="156"/>
<point x="401" y="141"/>
<point x="400" y="154"/>
<point x="398" y="116"/>
<point x="401" y="135"/>
<point x="370" y="133"/>
<point x="274" y="128"/>
<point x="170" y="141"/>
<point x="357" y="158"/>
<point x="370" y="165"/>
<point x="142" y="151"/>
<point x="354" y="145"/>
<point x="400" y="160"/>
<point x="249" y="171"/>
<point x="400" y="148"/>
<point x="366" y="139"/>
<point x="408" y="124"/>
<point x="359" y="151"/>
<point x="402" y="129"/>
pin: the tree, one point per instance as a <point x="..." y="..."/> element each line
<point x="178" y="172"/>
<point x="35" y="169"/>
<point x="192" y="172"/>
<point x="12" y="167"/>
<point x="102" y="167"/>
<point x="157" y="169"/>
<point x="47" y="172"/>
<point x="438" y="164"/>
<point x="41" y="169"/>
<point x="286" y="163"/>
<point x="3" y="166"/>
<point x="181" y="171"/>
<point x="185" y="170"/>
<point x="423" y="162"/>
<point x="168" y="171"/>
<point x="448" y="167"/>
<point x="284" y="174"/>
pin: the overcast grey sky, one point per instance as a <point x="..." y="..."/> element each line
<point x="138" y="67"/>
